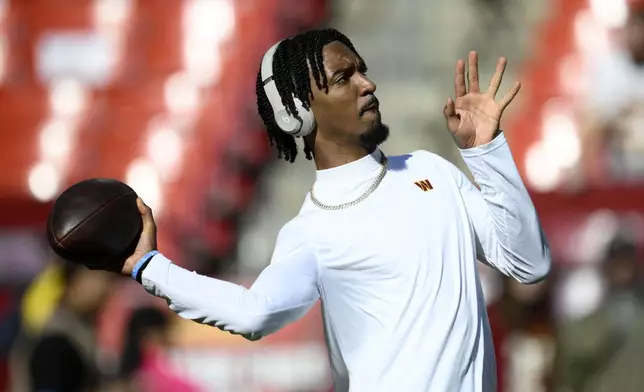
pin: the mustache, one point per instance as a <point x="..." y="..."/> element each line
<point x="373" y="103"/>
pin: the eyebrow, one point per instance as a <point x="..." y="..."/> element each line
<point x="361" y="66"/>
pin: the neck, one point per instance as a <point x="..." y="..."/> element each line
<point x="353" y="173"/>
<point x="330" y="155"/>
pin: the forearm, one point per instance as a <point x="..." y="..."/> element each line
<point x="272" y="302"/>
<point x="507" y="226"/>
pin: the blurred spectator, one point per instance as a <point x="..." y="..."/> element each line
<point x="524" y="336"/>
<point x="63" y="356"/>
<point x="145" y="367"/>
<point x="9" y="325"/>
<point x="495" y="14"/>
<point x="493" y="20"/>
<point x="614" y="106"/>
<point x="604" y="351"/>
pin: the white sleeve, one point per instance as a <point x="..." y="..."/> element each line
<point x="283" y="292"/>
<point x="508" y="232"/>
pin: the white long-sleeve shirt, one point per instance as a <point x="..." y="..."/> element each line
<point x="402" y="302"/>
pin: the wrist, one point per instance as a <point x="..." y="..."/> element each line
<point x="474" y="142"/>
<point x="139" y="267"/>
<point x="485" y="148"/>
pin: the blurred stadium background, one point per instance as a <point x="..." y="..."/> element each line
<point x="160" y="94"/>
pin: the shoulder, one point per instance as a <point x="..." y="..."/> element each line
<point x="295" y="237"/>
<point x="424" y="159"/>
<point x="426" y="156"/>
<point x="294" y="245"/>
<point x="54" y="348"/>
<point x="53" y="343"/>
<point x="296" y="227"/>
<point x="426" y="162"/>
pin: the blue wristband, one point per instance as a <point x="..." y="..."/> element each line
<point x="147" y="257"/>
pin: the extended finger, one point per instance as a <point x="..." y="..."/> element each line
<point x="509" y="96"/>
<point x="459" y="79"/>
<point x="498" y="77"/>
<point x="473" y="72"/>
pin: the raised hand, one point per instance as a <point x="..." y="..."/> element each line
<point x="474" y="117"/>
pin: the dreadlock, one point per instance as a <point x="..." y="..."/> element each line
<point x="292" y="61"/>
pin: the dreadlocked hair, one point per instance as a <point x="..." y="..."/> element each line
<point x="292" y="61"/>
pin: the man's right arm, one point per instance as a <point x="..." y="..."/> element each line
<point x="283" y="292"/>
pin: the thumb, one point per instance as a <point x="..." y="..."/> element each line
<point x="449" y="110"/>
<point x="146" y="214"/>
<point x="452" y="117"/>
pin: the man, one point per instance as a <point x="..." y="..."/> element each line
<point x="603" y="351"/>
<point x="614" y="112"/>
<point x="63" y="356"/>
<point x="388" y="244"/>
<point x="9" y="327"/>
<point x="524" y="336"/>
<point x="145" y="366"/>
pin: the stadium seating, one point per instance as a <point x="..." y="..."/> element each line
<point x="223" y="143"/>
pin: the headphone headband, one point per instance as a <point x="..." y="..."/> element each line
<point x="267" y="63"/>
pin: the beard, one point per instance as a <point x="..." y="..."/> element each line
<point x="374" y="137"/>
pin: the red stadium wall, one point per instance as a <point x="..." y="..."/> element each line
<point x="112" y="131"/>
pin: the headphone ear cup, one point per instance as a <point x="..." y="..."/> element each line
<point x="287" y="123"/>
<point x="308" y="119"/>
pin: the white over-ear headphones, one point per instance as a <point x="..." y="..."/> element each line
<point x="287" y="122"/>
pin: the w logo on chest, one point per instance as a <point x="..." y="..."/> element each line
<point x="424" y="185"/>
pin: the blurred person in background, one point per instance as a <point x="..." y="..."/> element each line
<point x="492" y="20"/>
<point x="524" y="336"/>
<point x="9" y="327"/>
<point x="494" y="15"/>
<point x="613" y="108"/>
<point x="604" y="352"/>
<point x="60" y="353"/>
<point x="145" y="366"/>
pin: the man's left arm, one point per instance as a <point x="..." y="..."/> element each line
<point x="509" y="236"/>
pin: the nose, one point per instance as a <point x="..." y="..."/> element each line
<point x="367" y="86"/>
